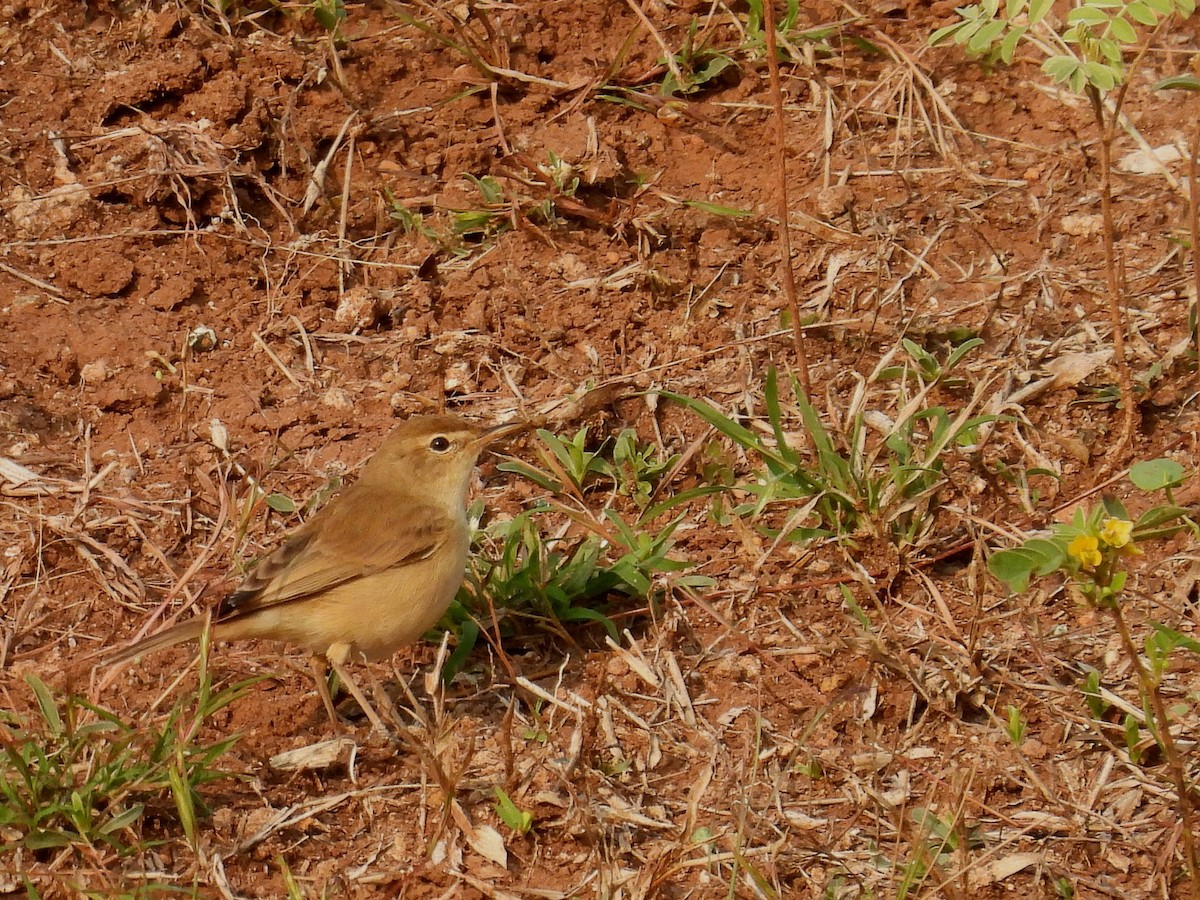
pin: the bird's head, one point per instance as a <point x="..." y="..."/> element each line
<point x="432" y="456"/>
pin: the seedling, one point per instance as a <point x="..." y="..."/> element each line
<point x="1087" y="56"/>
<point x="80" y="776"/>
<point x="847" y="488"/>
<point x="519" y="820"/>
<point x="1092" y="551"/>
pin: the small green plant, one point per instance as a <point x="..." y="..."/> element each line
<point x="788" y="37"/>
<point x="1093" y="42"/>
<point x="1092" y="550"/>
<point x="1015" y="726"/>
<point x="410" y="222"/>
<point x="1091" y="547"/>
<point x="80" y="776"/>
<point x="519" y="820"/>
<point x="488" y="220"/>
<point x="330" y="14"/>
<point x="552" y="183"/>
<point x="637" y="469"/>
<point x="521" y="572"/>
<point x="698" y="64"/>
<point x="847" y="487"/>
<point x="620" y="465"/>
<point x="563" y="175"/>
<point x="938" y="840"/>
<point x="1086" y="53"/>
<point x="518" y="570"/>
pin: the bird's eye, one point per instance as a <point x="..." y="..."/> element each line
<point x="439" y="444"/>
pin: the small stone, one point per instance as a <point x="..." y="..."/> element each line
<point x="833" y="201"/>
<point x="337" y="398"/>
<point x="1082" y="226"/>
<point x="358" y="308"/>
<point x="95" y="372"/>
<point x="202" y="339"/>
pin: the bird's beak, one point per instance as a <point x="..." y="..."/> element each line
<point x="500" y="432"/>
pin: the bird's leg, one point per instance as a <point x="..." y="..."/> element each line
<point x="320" y="673"/>
<point x="337" y="654"/>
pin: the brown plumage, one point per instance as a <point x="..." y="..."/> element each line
<point x="374" y="569"/>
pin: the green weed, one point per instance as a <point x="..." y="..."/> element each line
<point x="1092" y="550"/>
<point x="697" y="63"/>
<point x="559" y="561"/>
<point x="847" y="486"/>
<point x="80" y="776"/>
<point x="1086" y="53"/>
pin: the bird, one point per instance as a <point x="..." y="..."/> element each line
<point x="372" y="570"/>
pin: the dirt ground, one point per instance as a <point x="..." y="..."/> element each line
<point x="206" y="284"/>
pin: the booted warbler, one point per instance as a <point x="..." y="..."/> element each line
<point x="374" y="569"/>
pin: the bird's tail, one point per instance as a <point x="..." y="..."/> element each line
<point x="178" y="634"/>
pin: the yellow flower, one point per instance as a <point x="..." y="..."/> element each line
<point x="1086" y="549"/>
<point x="1116" y="532"/>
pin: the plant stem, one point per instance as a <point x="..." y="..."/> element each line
<point x="785" y="238"/>
<point x="1116" y="300"/>
<point x="1194" y="232"/>
<point x="1162" y="732"/>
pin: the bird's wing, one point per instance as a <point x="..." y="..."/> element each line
<point x="341" y="543"/>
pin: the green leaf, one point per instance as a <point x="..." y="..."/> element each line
<point x="538" y="477"/>
<point x="961" y="350"/>
<point x="713" y="68"/>
<point x="941" y="34"/>
<point x="1141" y="12"/>
<point x="1013" y="8"/>
<point x="117" y="822"/>
<point x="1169" y="639"/>
<point x="986" y="36"/>
<point x="1102" y="76"/>
<point x="468" y="635"/>
<point x="1047" y="554"/>
<point x="1178" y="82"/>
<point x="1111" y="52"/>
<point x="1008" y="47"/>
<point x="587" y="614"/>
<point x="1156" y="474"/>
<point x="329" y="13"/>
<point x="968" y="31"/>
<point x="281" y="503"/>
<point x="1133" y="732"/>
<point x="1011" y="567"/>
<point x="1087" y="15"/>
<point x="510" y="814"/>
<point x="716" y="209"/>
<point x="1060" y="68"/>
<point x="182" y="792"/>
<point x="47" y="840"/>
<point x="46" y="704"/>
<point x="1123" y="31"/>
<point x="1038" y="10"/>
<point x="1114" y="507"/>
<point x="1097" y="706"/>
<point x="1151" y="522"/>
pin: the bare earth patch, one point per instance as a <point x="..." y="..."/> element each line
<point x="234" y="251"/>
